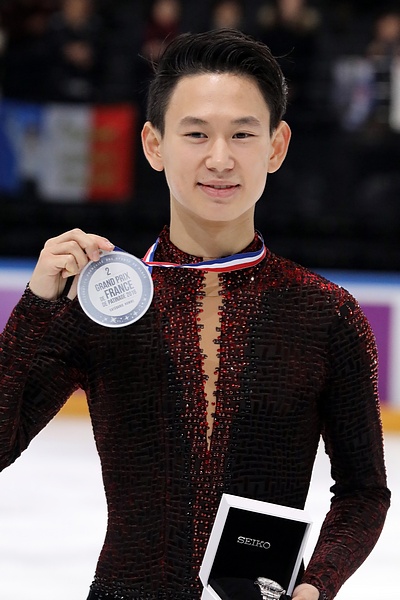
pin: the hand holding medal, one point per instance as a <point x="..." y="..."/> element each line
<point x="63" y="257"/>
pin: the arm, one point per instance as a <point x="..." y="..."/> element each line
<point x="352" y="434"/>
<point x="40" y="361"/>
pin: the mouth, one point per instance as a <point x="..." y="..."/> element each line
<point x="227" y="186"/>
<point x="220" y="187"/>
<point x="219" y="191"/>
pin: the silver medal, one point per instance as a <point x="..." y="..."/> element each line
<point x="116" y="290"/>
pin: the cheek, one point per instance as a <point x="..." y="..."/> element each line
<point x="258" y="169"/>
<point x="178" y="178"/>
<point x="255" y="159"/>
<point x="259" y="187"/>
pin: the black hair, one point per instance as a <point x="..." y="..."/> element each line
<point x="216" y="51"/>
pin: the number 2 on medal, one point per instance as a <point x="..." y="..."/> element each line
<point x="108" y="272"/>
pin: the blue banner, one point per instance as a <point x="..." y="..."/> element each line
<point x="20" y="131"/>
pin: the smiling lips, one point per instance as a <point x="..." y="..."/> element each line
<point x="219" y="190"/>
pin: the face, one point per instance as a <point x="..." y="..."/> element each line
<point x="217" y="149"/>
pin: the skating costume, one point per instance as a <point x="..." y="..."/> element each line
<point x="296" y="360"/>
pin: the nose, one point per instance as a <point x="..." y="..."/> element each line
<point x="219" y="157"/>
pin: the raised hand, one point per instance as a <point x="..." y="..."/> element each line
<point x="62" y="257"/>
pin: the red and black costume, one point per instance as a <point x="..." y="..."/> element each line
<point x="297" y="360"/>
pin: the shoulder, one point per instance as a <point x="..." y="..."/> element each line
<point x="302" y="289"/>
<point x="289" y="275"/>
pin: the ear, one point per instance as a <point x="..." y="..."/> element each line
<point x="279" y="146"/>
<point x="151" y="142"/>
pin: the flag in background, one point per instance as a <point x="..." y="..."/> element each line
<point x="73" y="153"/>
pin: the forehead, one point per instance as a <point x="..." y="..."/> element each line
<point x="217" y="95"/>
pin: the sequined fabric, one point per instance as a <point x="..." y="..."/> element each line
<point x="295" y="356"/>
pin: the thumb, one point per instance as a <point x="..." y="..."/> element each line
<point x="305" y="591"/>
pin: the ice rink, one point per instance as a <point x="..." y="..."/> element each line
<point x="53" y="518"/>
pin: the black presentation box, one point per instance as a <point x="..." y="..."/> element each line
<point x="252" y="539"/>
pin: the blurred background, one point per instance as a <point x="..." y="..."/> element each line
<point x="73" y="76"/>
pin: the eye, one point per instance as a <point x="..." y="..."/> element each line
<point x="242" y="135"/>
<point x="195" y="135"/>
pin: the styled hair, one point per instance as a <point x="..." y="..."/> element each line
<point x="217" y="51"/>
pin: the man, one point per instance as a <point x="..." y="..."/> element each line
<point x="230" y="378"/>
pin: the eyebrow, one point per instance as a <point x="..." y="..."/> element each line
<point x="252" y="121"/>
<point x="192" y="121"/>
<point x="248" y="120"/>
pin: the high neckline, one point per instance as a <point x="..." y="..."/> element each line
<point x="167" y="251"/>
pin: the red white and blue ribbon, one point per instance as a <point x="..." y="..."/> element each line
<point x="234" y="262"/>
<point x="117" y="290"/>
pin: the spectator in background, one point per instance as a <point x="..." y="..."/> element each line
<point x="386" y="39"/>
<point x="162" y="24"/>
<point x="291" y="28"/>
<point x="376" y="147"/>
<point x="366" y="148"/>
<point x="383" y="51"/>
<point x="226" y="13"/>
<point x="365" y="82"/>
<point x="76" y="34"/>
<point x="26" y="57"/>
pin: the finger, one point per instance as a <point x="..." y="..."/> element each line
<point x="67" y="256"/>
<point x="68" y="266"/>
<point x="89" y="243"/>
<point x="95" y="243"/>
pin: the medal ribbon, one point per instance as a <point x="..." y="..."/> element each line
<point x="235" y="262"/>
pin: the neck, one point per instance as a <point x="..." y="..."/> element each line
<point x="209" y="240"/>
